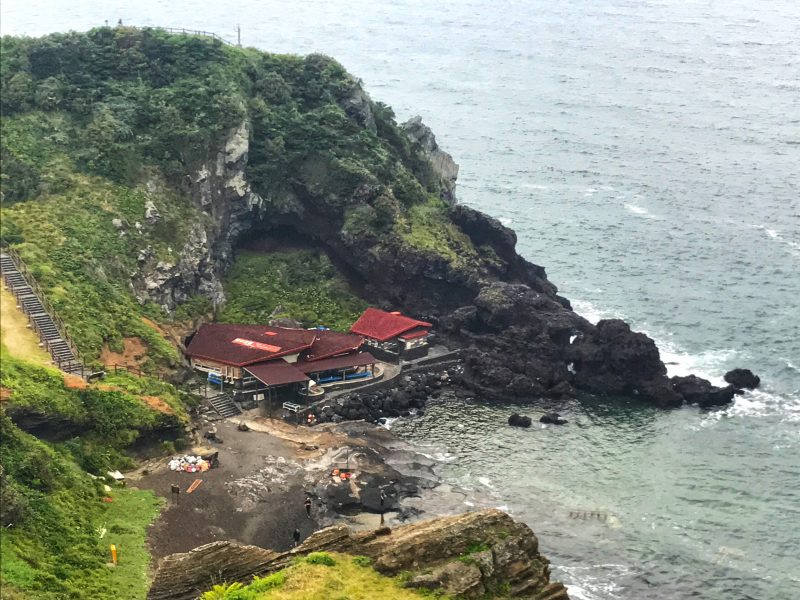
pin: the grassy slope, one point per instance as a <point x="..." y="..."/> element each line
<point x="303" y="282"/>
<point x="321" y="576"/>
<point x="57" y="528"/>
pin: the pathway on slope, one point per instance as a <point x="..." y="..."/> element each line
<point x="43" y="321"/>
<point x="15" y="332"/>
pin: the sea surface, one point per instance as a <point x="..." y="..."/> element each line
<point x="647" y="152"/>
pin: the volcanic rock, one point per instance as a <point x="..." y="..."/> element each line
<point x="517" y="420"/>
<point x="742" y="378"/>
<point x="696" y="390"/>
<point x="552" y="418"/>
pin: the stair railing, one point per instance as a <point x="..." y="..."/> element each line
<point x="48" y="308"/>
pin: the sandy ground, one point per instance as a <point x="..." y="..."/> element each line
<point x="227" y="504"/>
<point x="257" y="494"/>
<point x="21" y="341"/>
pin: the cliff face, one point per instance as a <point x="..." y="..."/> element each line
<point x="229" y="145"/>
<point x="475" y="555"/>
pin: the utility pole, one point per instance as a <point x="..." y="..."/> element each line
<point x="239" y="35"/>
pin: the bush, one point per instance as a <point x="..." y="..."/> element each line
<point x="320" y="558"/>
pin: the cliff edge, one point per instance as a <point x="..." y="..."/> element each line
<point x="477" y="554"/>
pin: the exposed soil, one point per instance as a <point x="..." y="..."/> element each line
<point x="74" y="382"/>
<point x="134" y="353"/>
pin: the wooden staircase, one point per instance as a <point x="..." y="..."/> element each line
<point x="224" y="405"/>
<point x="45" y="323"/>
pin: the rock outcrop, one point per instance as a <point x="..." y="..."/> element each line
<point x="742" y="379"/>
<point x="520" y="338"/>
<point x="517" y="420"/>
<point x="441" y="161"/>
<point x="473" y="555"/>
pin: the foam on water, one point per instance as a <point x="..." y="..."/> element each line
<point x="638" y="210"/>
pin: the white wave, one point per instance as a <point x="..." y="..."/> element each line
<point x="594" y="582"/>
<point x="710" y="364"/>
<point x="638" y="210"/>
<point x="759" y="403"/>
<point x="506" y="221"/>
<point x="535" y="186"/>
<point x="590" y="312"/>
<point x="792" y="246"/>
<point x="486" y="482"/>
<point x="389" y="422"/>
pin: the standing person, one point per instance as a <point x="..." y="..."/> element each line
<point x="308" y="507"/>
<point x="296" y="537"/>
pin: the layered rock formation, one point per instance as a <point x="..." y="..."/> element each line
<point x="473" y="555"/>
<point x="521" y="338"/>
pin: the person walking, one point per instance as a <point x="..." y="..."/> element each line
<point x="296" y="537"/>
<point x="308" y="507"/>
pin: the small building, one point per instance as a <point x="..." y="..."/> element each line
<point x="262" y="362"/>
<point x="392" y="335"/>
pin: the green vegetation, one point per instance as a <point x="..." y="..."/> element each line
<point x="103" y="419"/>
<point x="320" y="575"/>
<point x="57" y="528"/>
<point x="427" y="227"/>
<point x="97" y="124"/>
<point x="303" y="283"/>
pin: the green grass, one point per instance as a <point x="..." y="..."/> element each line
<point x="109" y="416"/>
<point x="321" y="576"/>
<point x="426" y="226"/>
<point x="57" y="529"/>
<point x="303" y="282"/>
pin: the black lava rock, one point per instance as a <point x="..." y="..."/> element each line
<point x="552" y="418"/>
<point x="742" y="378"/>
<point x="519" y="420"/>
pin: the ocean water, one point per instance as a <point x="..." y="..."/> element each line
<point x="647" y="152"/>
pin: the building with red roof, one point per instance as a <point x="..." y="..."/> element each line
<point x="392" y="334"/>
<point x="259" y="358"/>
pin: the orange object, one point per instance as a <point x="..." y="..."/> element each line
<point x="114" y="554"/>
<point x="194" y="486"/>
<point x="108" y="499"/>
<point x="344" y="476"/>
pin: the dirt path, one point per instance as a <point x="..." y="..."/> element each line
<point x="20" y="341"/>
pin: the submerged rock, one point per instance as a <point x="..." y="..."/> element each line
<point x="743" y="379"/>
<point x="552" y="418"/>
<point x="519" y="420"/>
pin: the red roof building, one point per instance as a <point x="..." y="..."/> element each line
<point x="392" y="335"/>
<point x="382" y="326"/>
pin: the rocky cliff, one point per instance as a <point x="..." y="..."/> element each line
<point x="231" y="145"/>
<point x="474" y="555"/>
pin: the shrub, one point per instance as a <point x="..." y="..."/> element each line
<point x="320" y="558"/>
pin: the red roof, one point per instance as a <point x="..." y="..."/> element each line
<point x="381" y="325"/>
<point x="332" y="343"/>
<point x="276" y="372"/>
<point x="241" y="345"/>
<point x="414" y="334"/>
<point x="361" y="359"/>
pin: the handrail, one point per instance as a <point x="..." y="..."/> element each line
<point x="196" y="32"/>
<point x="49" y="309"/>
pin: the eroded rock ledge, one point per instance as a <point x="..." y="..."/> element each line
<point x="472" y="554"/>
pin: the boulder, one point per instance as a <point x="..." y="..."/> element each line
<point x="742" y="379"/>
<point x="552" y="418"/>
<point x="517" y="420"/>
<point x="696" y="390"/>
